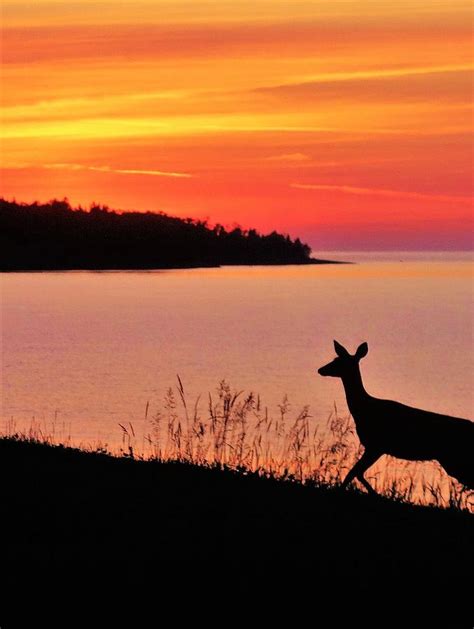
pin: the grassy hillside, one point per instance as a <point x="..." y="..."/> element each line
<point x="73" y="517"/>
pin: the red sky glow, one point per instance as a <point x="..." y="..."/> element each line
<point x="345" y="123"/>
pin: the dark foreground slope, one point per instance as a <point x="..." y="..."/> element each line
<point x="55" y="236"/>
<point x="85" y="522"/>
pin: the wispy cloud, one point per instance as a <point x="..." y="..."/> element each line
<point x="382" y="192"/>
<point x="439" y="87"/>
<point x="289" y="157"/>
<point x="122" y="171"/>
<point x="382" y="73"/>
<point x="67" y="108"/>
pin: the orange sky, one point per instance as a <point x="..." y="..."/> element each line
<point x="345" y="122"/>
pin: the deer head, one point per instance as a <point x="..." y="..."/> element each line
<point x="344" y="362"/>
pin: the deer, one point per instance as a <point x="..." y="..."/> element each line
<point x="404" y="432"/>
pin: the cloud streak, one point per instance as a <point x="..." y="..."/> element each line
<point x="383" y="73"/>
<point x="289" y="157"/>
<point x="383" y="192"/>
<point x="121" y="171"/>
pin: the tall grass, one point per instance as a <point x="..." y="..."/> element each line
<point x="236" y="430"/>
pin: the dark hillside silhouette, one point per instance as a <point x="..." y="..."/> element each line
<point x="56" y="236"/>
<point x="76" y="523"/>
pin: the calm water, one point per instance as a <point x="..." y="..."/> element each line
<point x="91" y="349"/>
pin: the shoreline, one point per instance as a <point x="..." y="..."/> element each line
<point x="311" y="262"/>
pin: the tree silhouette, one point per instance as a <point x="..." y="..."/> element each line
<point x="56" y="236"/>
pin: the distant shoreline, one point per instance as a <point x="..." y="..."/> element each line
<point x="312" y="262"/>
<point x="57" y="237"/>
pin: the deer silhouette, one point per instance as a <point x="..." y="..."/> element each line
<point x="387" y="427"/>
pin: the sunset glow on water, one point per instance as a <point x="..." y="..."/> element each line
<point x="90" y="350"/>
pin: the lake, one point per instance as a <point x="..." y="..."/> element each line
<point x="85" y="351"/>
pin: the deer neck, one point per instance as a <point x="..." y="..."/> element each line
<point x="355" y="393"/>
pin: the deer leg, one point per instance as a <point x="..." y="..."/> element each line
<point x="359" y="469"/>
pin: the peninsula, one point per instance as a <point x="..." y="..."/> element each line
<point x="56" y="236"/>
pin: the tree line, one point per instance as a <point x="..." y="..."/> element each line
<point x="54" y="235"/>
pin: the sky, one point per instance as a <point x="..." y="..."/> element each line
<point x="347" y="123"/>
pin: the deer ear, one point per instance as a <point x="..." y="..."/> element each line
<point x="362" y="351"/>
<point x="340" y="350"/>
